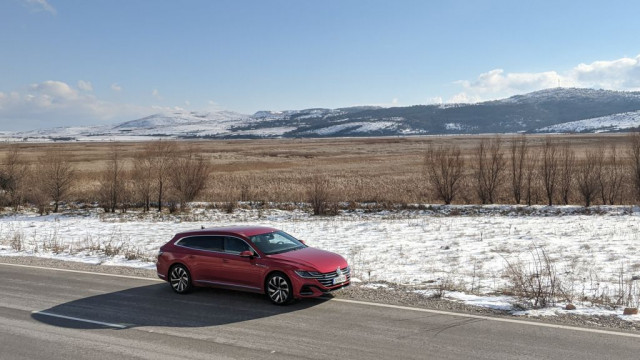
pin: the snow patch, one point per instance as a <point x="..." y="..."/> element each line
<point x="614" y="122"/>
<point x="355" y="127"/>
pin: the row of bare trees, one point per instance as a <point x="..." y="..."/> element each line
<point x="48" y="180"/>
<point x="166" y="174"/>
<point x="161" y="173"/>
<point x="551" y="172"/>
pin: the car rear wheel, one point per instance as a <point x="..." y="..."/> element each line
<point x="180" y="279"/>
<point x="279" y="289"/>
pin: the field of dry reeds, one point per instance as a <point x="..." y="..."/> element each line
<point x="391" y="171"/>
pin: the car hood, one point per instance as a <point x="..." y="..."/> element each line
<point x="311" y="258"/>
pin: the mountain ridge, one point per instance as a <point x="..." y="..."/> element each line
<point x="543" y="111"/>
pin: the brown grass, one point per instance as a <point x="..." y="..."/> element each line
<point x="279" y="170"/>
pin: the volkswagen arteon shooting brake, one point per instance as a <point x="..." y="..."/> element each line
<point x="253" y="258"/>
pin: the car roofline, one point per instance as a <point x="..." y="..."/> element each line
<point x="245" y="231"/>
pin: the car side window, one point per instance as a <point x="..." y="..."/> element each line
<point x="213" y="243"/>
<point x="210" y="243"/>
<point x="234" y="245"/>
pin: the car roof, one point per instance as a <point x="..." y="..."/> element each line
<point x="245" y="231"/>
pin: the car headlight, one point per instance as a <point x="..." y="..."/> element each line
<point x="305" y="274"/>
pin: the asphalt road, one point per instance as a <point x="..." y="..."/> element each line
<point x="48" y="314"/>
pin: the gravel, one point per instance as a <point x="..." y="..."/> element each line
<point x="394" y="295"/>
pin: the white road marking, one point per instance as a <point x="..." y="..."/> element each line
<point x="83" y="272"/>
<point x="117" y="326"/>
<point x="489" y="318"/>
<point x="398" y="307"/>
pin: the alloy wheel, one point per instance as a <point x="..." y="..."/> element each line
<point x="179" y="279"/>
<point x="279" y="290"/>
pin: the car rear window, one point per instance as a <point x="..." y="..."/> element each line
<point x="211" y="243"/>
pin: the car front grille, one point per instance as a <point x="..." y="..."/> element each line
<point x="326" y="279"/>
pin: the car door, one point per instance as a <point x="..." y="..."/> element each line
<point x="240" y="271"/>
<point x="204" y="258"/>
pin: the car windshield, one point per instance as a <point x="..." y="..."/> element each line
<point x="276" y="242"/>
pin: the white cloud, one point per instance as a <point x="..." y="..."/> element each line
<point x="116" y="87"/>
<point x="497" y="81"/>
<point x="162" y="109"/>
<point x="187" y="103"/>
<point x="41" y="5"/>
<point x="54" y="90"/>
<point x="464" y="98"/>
<point x="55" y="103"/>
<point x="435" y="100"/>
<point x="85" y="85"/>
<point x="620" y="74"/>
<point x="394" y="101"/>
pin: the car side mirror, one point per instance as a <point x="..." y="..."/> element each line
<point x="303" y="242"/>
<point x="247" y="253"/>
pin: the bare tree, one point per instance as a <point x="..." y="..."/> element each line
<point x="518" y="161"/>
<point x="567" y="164"/>
<point x="443" y="168"/>
<point x="127" y="190"/>
<point x="111" y="181"/>
<point x="37" y="195"/>
<point x="143" y="176"/>
<point x="549" y="171"/>
<point x="587" y="179"/>
<point x="490" y="166"/>
<point x="163" y="155"/>
<point x="56" y="175"/>
<point x="530" y="175"/>
<point x="634" y="154"/>
<point x="189" y="175"/>
<point x="12" y="176"/>
<point x="610" y="176"/>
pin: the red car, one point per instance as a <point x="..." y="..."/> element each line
<point x="252" y="258"/>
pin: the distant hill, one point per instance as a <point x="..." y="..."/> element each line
<point x="545" y="111"/>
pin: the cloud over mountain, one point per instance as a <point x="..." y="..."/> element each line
<point x="620" y="74"/>
<point x="55" y="103"/>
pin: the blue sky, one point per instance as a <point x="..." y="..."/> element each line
<point x="103" y="61"/>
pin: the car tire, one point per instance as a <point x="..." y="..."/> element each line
<point x="180" y="279"/>
<point x="278" y="289"/>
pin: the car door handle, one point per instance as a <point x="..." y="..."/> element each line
<point x="191" y="257"/>
<point x="225" y="260"/>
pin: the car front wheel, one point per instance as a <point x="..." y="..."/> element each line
<point x="279" y="289"/>
<point x="180" y="279"/>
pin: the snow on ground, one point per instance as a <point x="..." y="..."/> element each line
<point x="423" y="249"/>
<point x="613" y="122"/>
<point x="507" y="303"/>
<point x="355" y="127"/>
<point x="453" y="126"/>
<point x="266" y="132"/>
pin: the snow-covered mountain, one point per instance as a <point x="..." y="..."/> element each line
<point x="180" y="118"/>
<point x="551" y="110"/>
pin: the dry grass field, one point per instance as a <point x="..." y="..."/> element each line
<point x="382" y="170"/>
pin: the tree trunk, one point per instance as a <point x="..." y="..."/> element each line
<point x="160" y="197"/>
